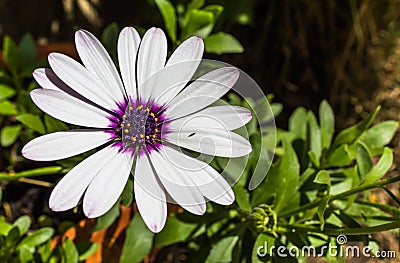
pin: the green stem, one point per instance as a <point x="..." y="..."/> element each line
<point x="387" y="208"/>
<point x="30" y="173"/>
<point x="355" y="190"/>
<point x="346" y="231"/>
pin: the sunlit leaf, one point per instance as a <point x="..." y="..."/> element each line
<point x="221" y="43"/>
<point x="9" y="134"/>
<point x="167" y="11"/>
<point x="32" y="121"/>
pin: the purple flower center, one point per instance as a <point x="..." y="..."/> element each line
<point x="139" y="125"/>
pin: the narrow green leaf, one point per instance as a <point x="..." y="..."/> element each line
<point x="9" y="135"/>
<point x="86" y="249"/>
<point x="7" y="108"/>
<point x="31" y="173"/>
<point x="352" y="133"/>
<point x="297" y="123"/>
<point x="314" y="135"/>
<point x="262" y="248"/>
<point x="10" y="54"/>
<point x="221" y="43"/>
<point x="32" y="121"/>
<point x="327" y="122"/>
<point x="23" y="223"/>
<point x="53" y="125"/>
<point x="70" y="252"/>
<point x="380" y="169"/>
<point x="37" y="238"/>
<point x="379" y="135"/>
<point x="289" y="171"/>
<point x="127" y="194"/>
<point x="173" y="232"/>
<point x="242" y="197"/>
<point x="138" y="241"/>
<point x="323" y="177"/>
<point x="222" y="250"/>
<point x="109" y="39"/>
<point x="364" y="159"/>
<point x="167" y="11"/>
<point x="6" y="91"/>
<point x="108" y="218"/>
<point x="27" y="53"/>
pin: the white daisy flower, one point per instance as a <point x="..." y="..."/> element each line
<point x="138" y="121"/>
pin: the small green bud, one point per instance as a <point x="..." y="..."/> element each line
<point x="263" y="219"/>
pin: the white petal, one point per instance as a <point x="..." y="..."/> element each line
<point x="47" y="79"/>
<point x="149" y="195"/>
<point x="221" y="117"/>
<point x="107" y="186"/>
<point x="202" y="92"/>
<point x="215" y="142"/>
<point x="96" y="59"/>
<point x="179" y="69"/>
<point x="179" y="186"/>
<point x="69" y="109"/>
<point x="191" y="49"/>
<point x="128" y="44"/>
<point x="81" y="80"/>
<point x="152" y="55"/>
<point x="70" y="189"/>
<point x="211" y="184"/>
<point x="60" y="145"/>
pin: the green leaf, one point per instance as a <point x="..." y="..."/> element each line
<point x="173" y="232"/>
<point x="138" y="241"/>
<point x="9" y="135"/>
<point x="10" y="54"/>
<point x="32" y="121"/>
<point x="7" y="108"/>
<point x="215" y="9"/>
<point x="296" y="123"/>
<point x="379" y="135"/>
<point x="323" y="177"/>
<point x="242" y="197"/>
<point x="109" y="39"/>
<point x="167" y="11"/>
<point x="262" y="248"/>
<point x="364" y="160"/>
<point x="197" y="23"/>
<point x="195" y="4"/>
<point x="6" y="91"/>
<point x="37" y="238"/>
<point x="23" y="223"/>
<point x="108" y="218"/>
<point x="25" y="255"/>
<point x="70" y="251"/>
<point x="4" y="227"/>
<point x="340" y="157"/>
<point x="222" y="251"/>
<point x="27" y="53"/>
<point x="327" y="122"/>
<point x="289" y="171"/>
<point x="314" y="135"/>
<point x="221" y="43"/>
<point x="86" y="249"/>
<point x="352" y="133"/>
<point x="53" y="125"/>
<point x="127" y="194"/>
<point x="380" y="169"/>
